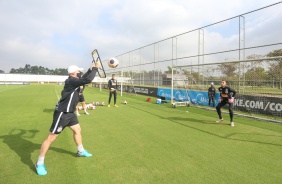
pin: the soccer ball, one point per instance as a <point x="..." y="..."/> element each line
<point x="88" y="106"/>
<point x="113" y="62"/>
<point x="125" y="102"/>
<point x="102" y="103"/>
<point x="97" y="103"/>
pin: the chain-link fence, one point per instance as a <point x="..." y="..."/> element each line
<point x="238" y="49"/>
<point x="252" y="35"/>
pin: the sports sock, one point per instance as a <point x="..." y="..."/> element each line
<point x="40" y="160"/>
<point x="80" y="148"/>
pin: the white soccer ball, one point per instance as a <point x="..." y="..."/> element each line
<point x="92" y="107"/>
<point x="125" y="102"/>
<point x="113" y="62"/>
<point x="88" y="106"/>
<point x="102" y="103"/>
<point x="97" y="103"/>
<point x="79" y="107"/>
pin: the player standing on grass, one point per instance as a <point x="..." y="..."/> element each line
<point x="211" y="94"/>
<point x="227" y="96"/>
<point x="112" y="85"/>
<point x="82" y="100"/>
<point x="64" y="115"/>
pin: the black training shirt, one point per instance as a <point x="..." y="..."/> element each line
<point x="226" y="92"/>
<point x="70" y="98"/>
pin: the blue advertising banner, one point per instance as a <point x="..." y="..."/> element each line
<point x="200" y="97"/>
<point x="253" y="104"/>
<point x="196" y="97"/>
<point x="178" y="95"/>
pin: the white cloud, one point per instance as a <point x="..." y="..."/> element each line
<point x="54" y="34"/>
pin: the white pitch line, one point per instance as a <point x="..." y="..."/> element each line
<point x="58" y="97"/>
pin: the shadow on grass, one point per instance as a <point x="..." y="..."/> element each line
<point x="17" y="142"/>
<point x="48" y="110"/>
<point x="177" y="120"/>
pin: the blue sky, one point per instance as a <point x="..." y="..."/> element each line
<point x="56" y="34"/>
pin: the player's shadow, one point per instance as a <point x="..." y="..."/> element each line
<point x="24" y="148"/>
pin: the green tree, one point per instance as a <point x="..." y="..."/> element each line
<point x="34" y="70"/>
<point x="228" y="69"/>
<point x="256" y="76"/>
<point x="40" y="70"/>
<point x="275" y="70"/>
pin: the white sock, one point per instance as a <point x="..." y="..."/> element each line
<point x="40" y="160"/>
<point x="80" y="148"/>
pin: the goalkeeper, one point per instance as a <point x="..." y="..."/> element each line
<point x="227" y="96"/>
<point x="112" y="85"/>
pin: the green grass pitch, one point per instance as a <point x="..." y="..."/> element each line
<point x="141" y="142"/>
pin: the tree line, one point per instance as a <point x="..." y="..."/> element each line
<point x="40" y="70"/>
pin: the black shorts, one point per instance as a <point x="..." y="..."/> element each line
<point x="61" y="120"/>
<point x="81" y="98"/>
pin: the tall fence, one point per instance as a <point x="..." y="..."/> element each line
<point x="245" y="50"/>
<point x="253" y="35"/>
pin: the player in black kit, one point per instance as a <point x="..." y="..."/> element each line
<point x="112" y="85"/>
<point x="64" y="115"/>
<point x="82" y="101"/>
<point x="227" y="96"/>
<point x="211" y="94"/>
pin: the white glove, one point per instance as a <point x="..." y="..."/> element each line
<point x="231" y="100"/>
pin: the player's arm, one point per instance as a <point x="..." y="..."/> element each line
<point x="220" y="97"/>
<point x="87" y="77"/>
<point x="231" y="99"/>
<point x="233" y="92"/>
<point x="109" y="84"/>
<point x="81" y="88"/>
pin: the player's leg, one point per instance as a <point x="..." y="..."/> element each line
<point x="46" y="144"/>
<point x="76" y="129"/>
<point x="110" y="97"/>
<point x="84" y="107"/>
<point x="56" y="128"/>
<point x="40" y="166"/>
<point x="115" y="99"/>
<point x="213" y="101"/>
<point x="218" y="110"/>
<point x="209" y="101"/>
<point x="76" y="110"/>
<point x="231" y="113"/>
